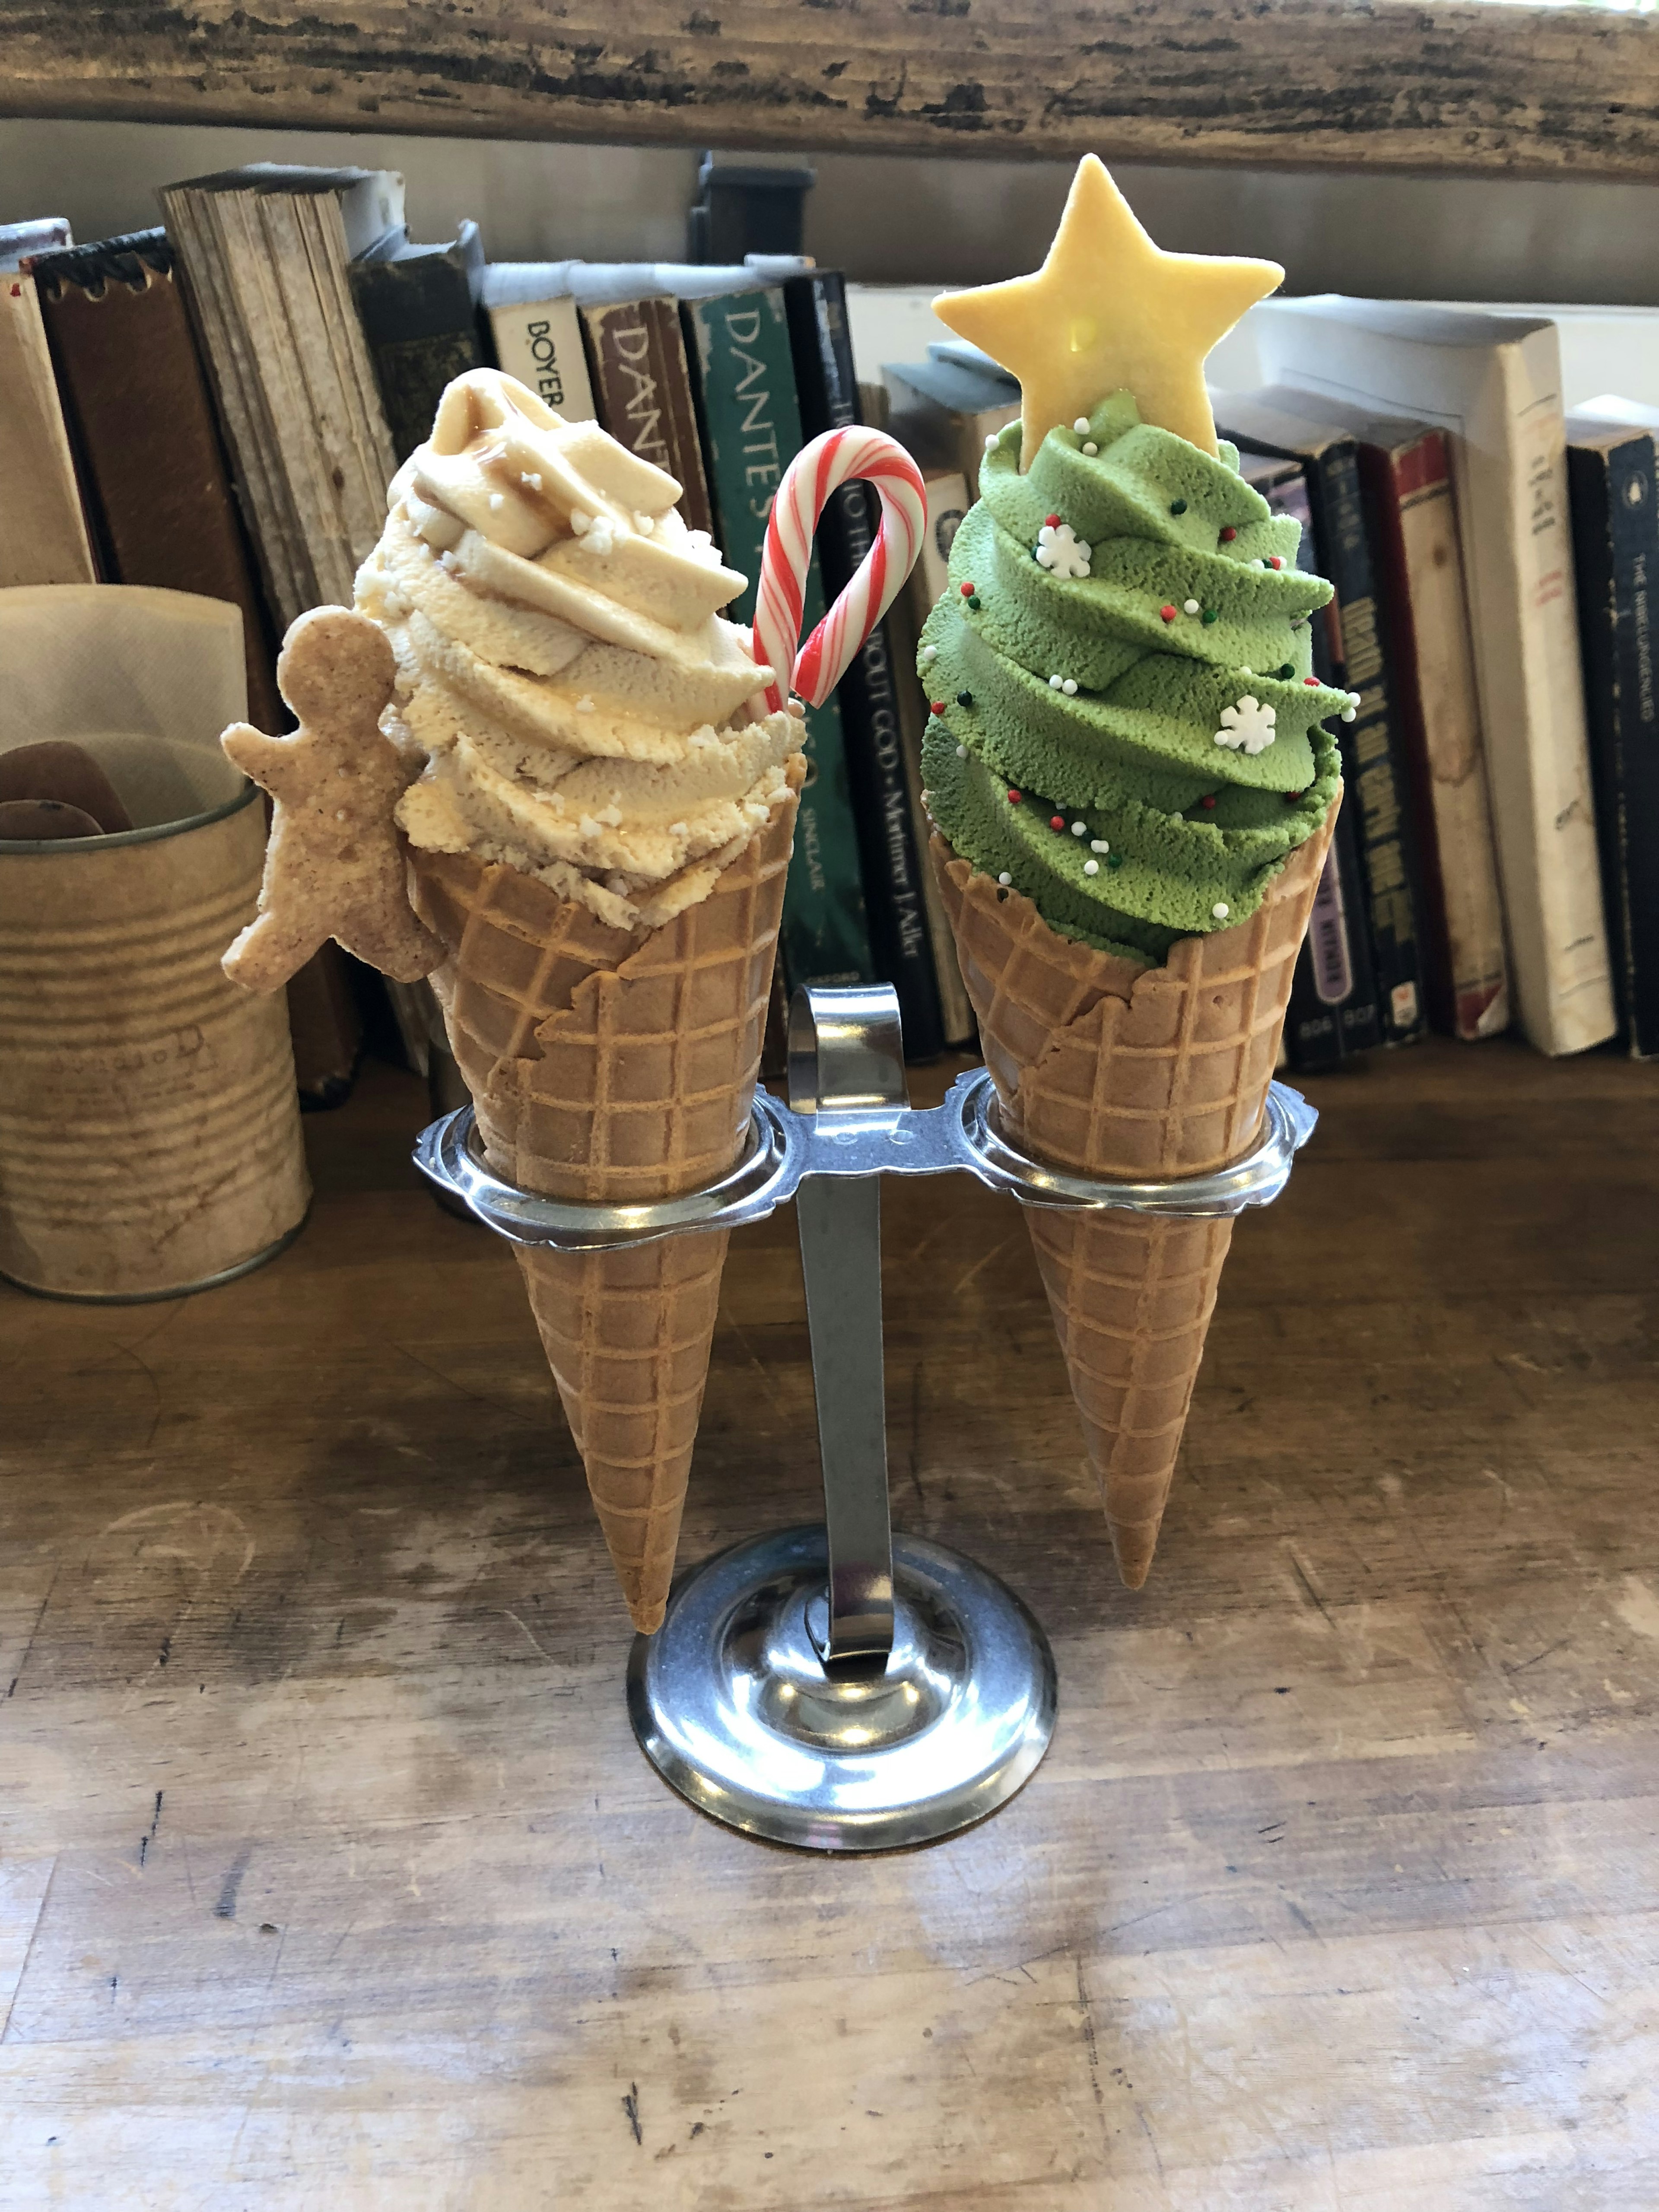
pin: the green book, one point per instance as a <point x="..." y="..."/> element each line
<point x="744" y="387"/>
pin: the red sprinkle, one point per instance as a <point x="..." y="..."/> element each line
<point x="1013" y="799"/>
<point x="1274" y="561"/>
<point x="1167" y="613"/>
<point x="1056" y="821"/>
<point x="1209" y="802"/>
<point x="938" y="705"/>
<point x="1312" y="683"/>
<point x="967" y="591"/>
<point x="1228" y="535"/>
<point x="1053" y="522"/>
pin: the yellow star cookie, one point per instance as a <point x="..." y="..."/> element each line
<point x="1110" y="312"/>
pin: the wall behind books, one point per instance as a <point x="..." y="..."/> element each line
<point x="962" y="221"/>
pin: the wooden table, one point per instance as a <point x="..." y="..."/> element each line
<point x="331" y="1877"/>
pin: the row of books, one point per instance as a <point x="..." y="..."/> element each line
<point x="1491" y="559"/>
<point x="217" y="406"/>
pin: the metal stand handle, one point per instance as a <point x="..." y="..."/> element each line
<point x="847" y="1072"/>
<point x="840" y="1688"/>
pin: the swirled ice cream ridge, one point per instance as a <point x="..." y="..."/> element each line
<point x="584" y="712"/>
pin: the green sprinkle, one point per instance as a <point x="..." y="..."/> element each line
<point x="974" y="603"/>
<point x="1114" y="859"/>
<point x="964" y="698"/>
<point x="1178" y="507"/>
<point x="1210" y="615"/>
<point x="1288" y="670"/>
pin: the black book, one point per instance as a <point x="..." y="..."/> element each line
<point x="891" y="856"/>
<point x="418" y="308"/>
<point x="1615" y="545"/>
<point x="1280" y="421"/>
<point x="1332" y="1012"/>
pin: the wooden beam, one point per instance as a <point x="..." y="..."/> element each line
<point x="1447" y="86"/>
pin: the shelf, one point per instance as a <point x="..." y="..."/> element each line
<point x="1524" y="91"/>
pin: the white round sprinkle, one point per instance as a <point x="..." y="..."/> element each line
<point x="1079" y="829"/>
<point x="1069" y="687"/>
<point x="1351" y="714"/>
<point x="962" y="752"/>
<point x="1005" y="877"/>
<point x="1258" y="564"/>
<point x="1221" y="910"/>
<point x="1189" y="606"/>
<point x="990" y="441"/>
<point x="1090" y="448"/>
<point x="1246" y="671"/>
<point x="1081" y="424"/>
<point x="1091" y="867"/>
<point x="1098" y="845"/>
<point x="929" y="655"/>
<point x="1354" y="698"/>
<point x="1055" y="683"/>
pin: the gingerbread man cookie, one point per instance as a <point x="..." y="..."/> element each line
<point x="334" y="866"/>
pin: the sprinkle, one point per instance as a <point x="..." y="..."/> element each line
<point x="1069" y="687"/>
<point x="1228" y="535"/>
<point x="929" y="655"/>
<point x="1208" y="803"/>
<point x="1013" y="799"/>
<point x="1079" y="829"/>
<point x="936" y="706"/>
<point x="1054" y="682"/>
<point x="1091" y="867"/>
<point x="990" y="441"/>
<point x="1354" y="698"/>
<point x="1053" y="522"/>
<point x="1258" y="564"/>
<point x="968" y="590"/>
<point x="1005" y="878"/>
<point x="1351" y="714"/>
<point x="1081" y="424"/>
<point x="962" y="752"/>
<point x="497" y="500"/>
<point x="964" y="698"/>
<point x="1056" y="821"/>
<point x="1189" y="606"/>
<point x="1167" y="613"/>
<point x="1246" y="672"/>
<point x="1116" y="860"/>
<point x="532" y="478"/>
<point x="580" y="523"/>
<point x="1098" y="845"/>
<point x="974" y="603"/>
<point x="645" y="524"/>
<point x="1178" y="507"/>
<point x="1090" y="448"/>
<point x="1312" y="683"/>
<point x="1275" y="560"/>
<point x="1221" y="910"/>
<point x="1288" y="670"/>
<point x="1211" y="614"/>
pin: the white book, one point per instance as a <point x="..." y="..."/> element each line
<point x="536" y="333"/>
<point x="1494" y="383"/>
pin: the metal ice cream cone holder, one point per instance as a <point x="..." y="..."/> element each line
<point x="846" y="1688"/>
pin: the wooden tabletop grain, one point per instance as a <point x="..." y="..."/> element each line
<point x="331" y="1877"/>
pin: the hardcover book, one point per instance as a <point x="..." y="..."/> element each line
<point x="744" y="387"/>
<point x="538" y="334"/>
<point x="45" y="540"/>
<point x="1373" y="760"/>
<point x="416" y="307"/>
<point x="1611" y="475"/>
<point x="643" y="390"/>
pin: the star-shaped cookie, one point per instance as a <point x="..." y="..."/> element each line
<point x="1109" y="310"/>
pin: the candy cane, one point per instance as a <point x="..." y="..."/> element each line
<point x="817" y="471"/>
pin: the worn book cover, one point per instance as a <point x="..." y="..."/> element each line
<point x="643" y="392"/>
<point x="1611" y="476"/>
<point x="416" y="308"/>
<point x="745" y="385"/>
<point x="157" y="476"/>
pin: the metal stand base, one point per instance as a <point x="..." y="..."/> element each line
<point x="734" y="1705"/>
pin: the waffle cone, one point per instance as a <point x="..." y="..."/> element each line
<point x="1116" y="1070"/>
<point x="615" y="1066"/>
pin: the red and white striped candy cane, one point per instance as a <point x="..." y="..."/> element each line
<point x="817" y="471"/>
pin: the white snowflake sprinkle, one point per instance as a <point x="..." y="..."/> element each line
<point x="1250" y="723"/>
<point x="1221" y="910"/>
<point x="1061" y="551"/>
<point x="1091" y="867"/>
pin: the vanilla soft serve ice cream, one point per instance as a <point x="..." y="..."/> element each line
<point x="585" y="714"/>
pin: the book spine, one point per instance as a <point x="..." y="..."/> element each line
<point x="421" y="328"/>
<point x="1615" y="549"/>
<point x="889" y="853"/>
<point x="541" y="344"/>
<point x="744" y="387"/>
<point x="1465" y="966"/>
<point x="45" y="540"/>
<point x="1371" y="758"/>
<point x="643" y="397"/>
